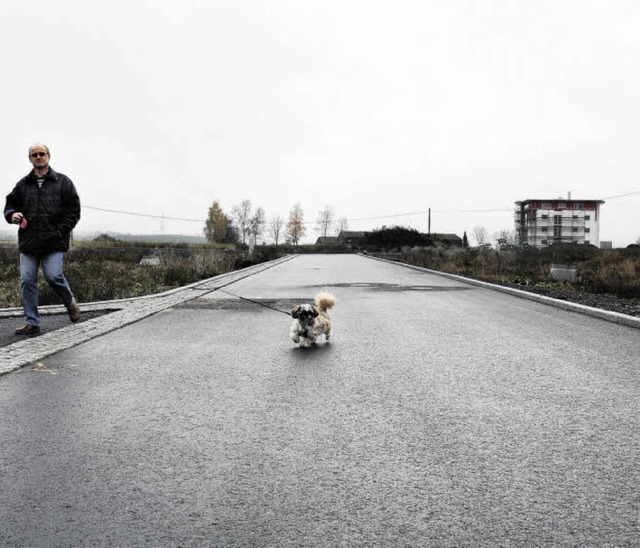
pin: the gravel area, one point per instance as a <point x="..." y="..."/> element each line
<point x="630" y="307"/>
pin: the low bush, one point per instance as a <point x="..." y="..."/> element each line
<point x="114" y="271"/>
<point x="102" y="273"/>
<point x="615" y="272"/>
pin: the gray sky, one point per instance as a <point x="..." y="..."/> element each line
<point x="377" y="108"/>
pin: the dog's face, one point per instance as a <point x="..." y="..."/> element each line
<point x="304" y="313"/>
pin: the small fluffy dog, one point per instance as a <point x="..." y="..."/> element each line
<point x="309" y="321"/>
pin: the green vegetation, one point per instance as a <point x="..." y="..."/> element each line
<point x="615" y="272"/>
<point x="105" y="270"/>
<point x="101" y="271"/>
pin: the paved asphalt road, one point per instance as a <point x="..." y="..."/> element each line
<point x="441" y="414"/>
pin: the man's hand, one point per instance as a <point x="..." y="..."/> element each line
<point x="18" y="219"/>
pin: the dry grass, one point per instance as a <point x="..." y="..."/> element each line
<point x="615" y="272"/>
<point x="107" y="272"/>
<point x="102" y="273"/>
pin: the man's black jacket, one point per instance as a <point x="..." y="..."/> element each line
<point x="51" y="212"/>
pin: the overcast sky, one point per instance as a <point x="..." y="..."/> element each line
<point x="377" y="108"/>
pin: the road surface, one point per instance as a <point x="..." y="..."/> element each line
<point x="440" y="414"/>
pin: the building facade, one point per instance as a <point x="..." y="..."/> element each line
<point x="540" y="223"/>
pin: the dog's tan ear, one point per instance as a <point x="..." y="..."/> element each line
<point x="295" y="311"/>
<point x="316" y="312"/>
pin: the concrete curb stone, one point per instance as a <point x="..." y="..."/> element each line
<point x="624" y="319"/>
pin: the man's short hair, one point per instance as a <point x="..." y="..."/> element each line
<point x="40" y="145"/>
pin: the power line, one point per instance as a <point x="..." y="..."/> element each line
<point x="374" y="218"/>
<point x="391" y="216"/>
<point x="622" y="195"/>
<point x="143" y="214"/>
<point x="427" y="211"/>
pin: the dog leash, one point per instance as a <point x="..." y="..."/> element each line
<point x="255" y="302"/>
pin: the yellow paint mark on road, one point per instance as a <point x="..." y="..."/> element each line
<point x="42" y="367"/>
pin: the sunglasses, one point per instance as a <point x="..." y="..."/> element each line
<point x="36" y="154"/>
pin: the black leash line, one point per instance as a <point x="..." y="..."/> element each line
<point x="255" y="302"/>
<point x="198" y="287"/>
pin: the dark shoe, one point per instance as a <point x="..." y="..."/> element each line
<point x="28" y="330"/>
<point x="74" y="311"/>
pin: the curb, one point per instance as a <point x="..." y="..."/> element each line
<point x="616" y="317"/>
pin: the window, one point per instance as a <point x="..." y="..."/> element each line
<point x="546" y="205"/>
<point x="544" y="242"/>
<point x="575" y="216"/>
<point x="557" y="231"/>
<point x="587" y="230"/>
<point x="544" y="216"/>
<point x="562" y="205"/>
<point x="575" y="229"/>
<point x="578" y="205"/>
<point x="557" y="219"/>
<point x="587" y="217"/>
<point x="544" y="228"/>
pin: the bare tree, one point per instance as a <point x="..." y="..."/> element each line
<point x="341" y="224"/>
<point x="295" y="225"/>
<point x="325" y="220"/>
<point x="276" y="224"/>
<point x="242" y="215"/>
<point x="480" y="234"/>
<point x="256" y="225"/>
<point x="504" y="236"/>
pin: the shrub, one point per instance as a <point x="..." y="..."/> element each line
<point x="103" y="273"/>
<point x="601" y="271"/>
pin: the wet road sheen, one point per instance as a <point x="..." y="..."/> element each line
<point x="440" y="414"/>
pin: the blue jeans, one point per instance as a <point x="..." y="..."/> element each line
<point x="52" y="269"/>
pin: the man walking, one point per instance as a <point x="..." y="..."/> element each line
<point x="46" y="205"/>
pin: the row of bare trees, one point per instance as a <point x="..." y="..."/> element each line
<point x="481" y="236"/>
<point x="326" y="223"/>
<point x="245" y="224"/>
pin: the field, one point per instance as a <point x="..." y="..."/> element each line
<point x="107" y="272"/>
<point x="607" y="279"/>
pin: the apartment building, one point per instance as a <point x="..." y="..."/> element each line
<point x="540" y="223"/>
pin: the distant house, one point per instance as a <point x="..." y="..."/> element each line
<point x="327" y="240"/>
<point x="540" y="223"/>
<point x="350" y="238"/>
<point x="359" y="239"/>
<point x="446" y="239"/>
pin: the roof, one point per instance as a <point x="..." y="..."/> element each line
<point x="327" y="240"/>
<point x="568" y="200"/>
<point x="445" y="237"/>
<point x="351" y="234"/>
